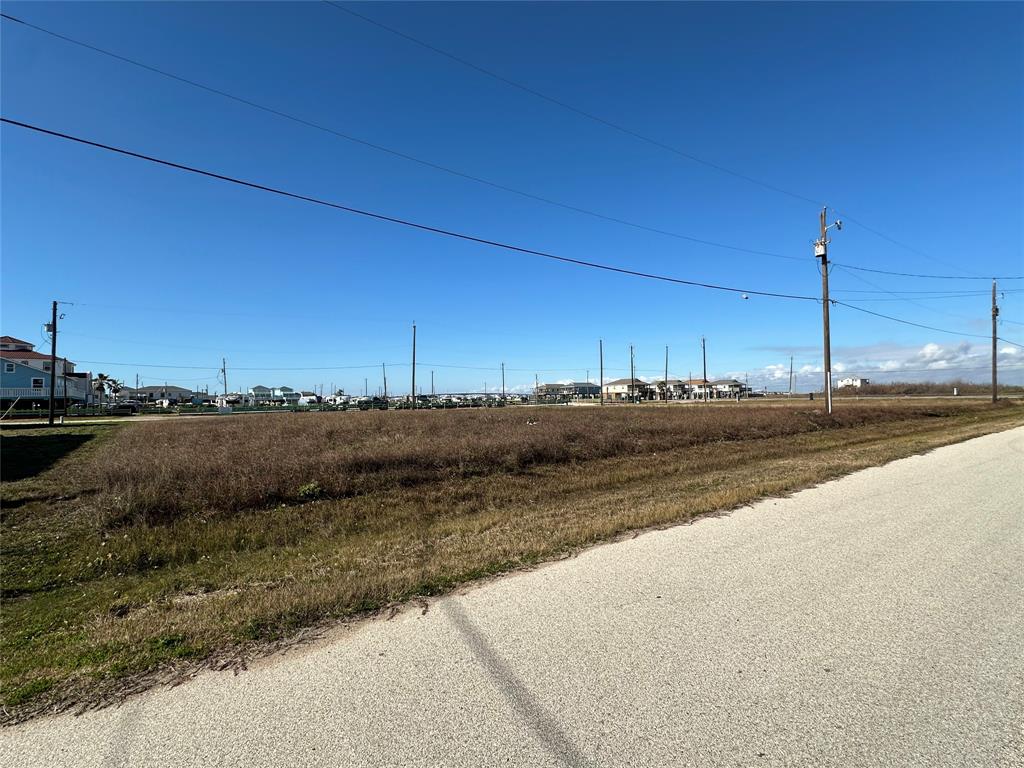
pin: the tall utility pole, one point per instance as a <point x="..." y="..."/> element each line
<point x="224" y="374"/>
<point x="366" y="387"/>
<point x="821" y="252"/>
<point x="666" y="373"/>
<point x="704" y="353"/>
<point x="503" y="382"/>
<point x="632" y="376"/>
<point x="431" y="383"/>
<point x="790" y="375"/>
<point x="600" y="356"/>
<point x="995" y="314"/>
<point x="413" y="390"/>
<point x="53" y="361"/>
<point x="384" y="369"/>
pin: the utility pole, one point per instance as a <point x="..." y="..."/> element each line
<point x="366" y="387"/>
<point x="666" y="373"/>
<point x="995" y="314"/>
<point x="536" y="388"/>
<point x="821" y="252"/>
<point x="385" y="371"/>
<point x="790" y="375"/>
<point x="704" y="353"/>
<point x="53" y="360"/>
<point x="503" y="382"/>
<point x="431" y="383"/>
<point x="632" y="376"/>
<point x="224" y="373"/>
<point x="600" y="354"/>
<point x="414" y="365"/>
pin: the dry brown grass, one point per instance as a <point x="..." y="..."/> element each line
<point x="159" y="471"/>
<point x="102" y="598"/>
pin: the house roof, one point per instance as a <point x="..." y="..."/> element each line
<point x="696" y="382"/>
<point x="12" y="340"/>
<point x="618" y="382"/>
<point x="26" y="354"/>
<point x="727" y="381"/>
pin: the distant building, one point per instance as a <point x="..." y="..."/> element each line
<point x="728" y="388"/>
<point x="851" y="382"/>
<point x="261" y="395"/>
<point x="672" y="389"/>
<point x="157" y="392"/>
<point x="572" y="390"/>
<point x="25" y="376"/>
<point x="628" y="389"/>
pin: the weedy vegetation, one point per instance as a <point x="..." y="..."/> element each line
<point x="142" y="552"/>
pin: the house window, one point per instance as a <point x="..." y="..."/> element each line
<point x="46" y="366"/>
<point x="8" y="367"/>
<point x="37" y="383"/>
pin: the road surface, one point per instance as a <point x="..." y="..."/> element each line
<point x="873" y="621"/>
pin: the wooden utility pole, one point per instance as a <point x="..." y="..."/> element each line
<point x="821" y="252"/>
<point x="224" y="374"/>
<point x="995" y="314"/>
<point x="413" y="365"/>
<point x="666" y="373"/>
<point x="600" y="355"/>
<point x="431" y="383"/>
<point x="53" y="361"/>
<point x="632" y="376"/>
<point x="704" y="355"/>
<point x="790" y="375"/>
<point x="385" y="372"/>
<point x="503" y="382"/>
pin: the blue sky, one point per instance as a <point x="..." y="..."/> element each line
<point x="907" y="117"/>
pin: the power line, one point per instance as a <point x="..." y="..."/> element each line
<point x="920" y="325"/>
<point x="395" y="152"/>
<point x="564" y="105"/>
<point x="925" y="277"/>
<point x="614" y="126"/>
<point x="915" y="301"/>
<point x="404" y="222"/>
<point x="947" y="292"/>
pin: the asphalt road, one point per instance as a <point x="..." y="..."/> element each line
<point x="874" y="621"/>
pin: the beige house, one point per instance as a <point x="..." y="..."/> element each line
<point x="628" y="389"/>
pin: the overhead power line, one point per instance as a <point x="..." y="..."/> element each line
<point x="920" y="325"/>
<point x="569" y="107"/>
<point x="395" y="152"/>
<point x="925" y="277"/>
<point x="614" y="126"/>
<point x="404" y="222"/>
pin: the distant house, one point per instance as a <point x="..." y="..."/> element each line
<point x="153" y="394"/>
<point x="261" y="395"/>
<point x="308" y="398"/>
<point x="286" y="395"/>
<point x="25" y="374"/>
<point x="851" y="382"/>
<point x="671" y="389"/>
<point x="628" y="389"/>
<point x="571" y="390"/>
<point x="728" y="388"/>
<point x="697" y="388"/>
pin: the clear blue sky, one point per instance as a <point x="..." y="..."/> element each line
<point x="908" y="117"/>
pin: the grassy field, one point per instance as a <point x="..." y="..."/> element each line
<point x="141" y="552"/>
